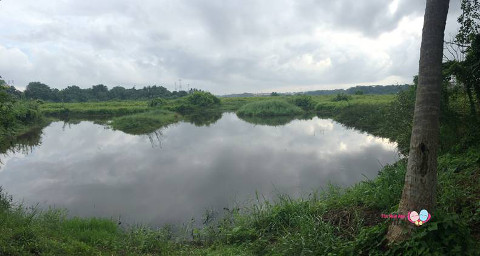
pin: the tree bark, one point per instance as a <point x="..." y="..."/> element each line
<point x="419" y="191"/>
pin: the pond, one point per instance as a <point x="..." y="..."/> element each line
<point x="182" y="170"/>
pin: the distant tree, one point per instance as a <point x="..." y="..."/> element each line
<point x="73" y="93"/>
<point x="37" y="90"/>
<point x="100" y="92"/>
<point x="274" y="94"/>
<point x="118" y="93"/>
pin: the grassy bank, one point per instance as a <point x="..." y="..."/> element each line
<point x="17" y="118"/>
<point x="92" y="109"/>
<point x="334" y="220"/>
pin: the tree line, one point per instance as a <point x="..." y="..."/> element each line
<point x="100" y="92"/>
<point x="363" y="89"/>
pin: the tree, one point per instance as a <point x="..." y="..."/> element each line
<point x="100" y="92"/>
<point x="117" y="93"/>
<point x="465" y="68"/>
<point x="37" y="90"/>
<point x="469" y="25"/>
<point x="73" y="93"/>
<point x="419" y="191"/>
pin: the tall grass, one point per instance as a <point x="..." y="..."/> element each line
<point x="88" y="109"/>
<point x="145" y="123"/>
<point x="269" y="108"/>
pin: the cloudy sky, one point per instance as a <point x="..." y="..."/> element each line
<point x="217" y="45"/>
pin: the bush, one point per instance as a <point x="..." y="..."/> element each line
<point x="342" y="97"/>
<point x="158" y="102"/>
<point x="194" y="102"/>
<point x="202" y="99"/>
<point x="304" y="101"/>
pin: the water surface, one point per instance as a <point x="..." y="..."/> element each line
<point x="182" y="170"/>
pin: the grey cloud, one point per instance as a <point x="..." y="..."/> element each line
<point x="222" y="46"/>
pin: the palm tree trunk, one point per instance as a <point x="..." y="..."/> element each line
<point x="419" y="191"/>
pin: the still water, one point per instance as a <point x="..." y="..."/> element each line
<point x="184" y="169"/>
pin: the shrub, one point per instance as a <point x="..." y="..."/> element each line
<point x="342" y="97"/>
<point x="202" y="99"/>
<point x="304" y="101"/>
<point x="158" y="102"/>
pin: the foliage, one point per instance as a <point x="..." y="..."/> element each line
<point x="16" y="115"/>
<point x="400" y="113"/>
<point x="342" y="97"/>
<point x="269" y="108"/>
<point x="469" y="22"/>
<point x="274" y="94"/>
<point x="100" y="92"/>
<point x="197" y="101"/>
<point x="158" y="102"/>
<point x="202" y="99"/>
<point x="304" y="101"/>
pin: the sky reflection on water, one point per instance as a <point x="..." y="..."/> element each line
<point x="94" y="171"/>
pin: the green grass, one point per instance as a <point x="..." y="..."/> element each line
<point x="145" y="123"/>
<point x="269" y="108"/>
<point x="89" y="109"/>
<point x="327" y="106"/>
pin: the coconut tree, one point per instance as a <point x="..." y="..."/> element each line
<point x="419" y="191"/>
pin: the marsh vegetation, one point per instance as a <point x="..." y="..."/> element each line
<point x="291" y="222"/>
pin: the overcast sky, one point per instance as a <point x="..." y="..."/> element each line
<point x="219" y="46"/>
